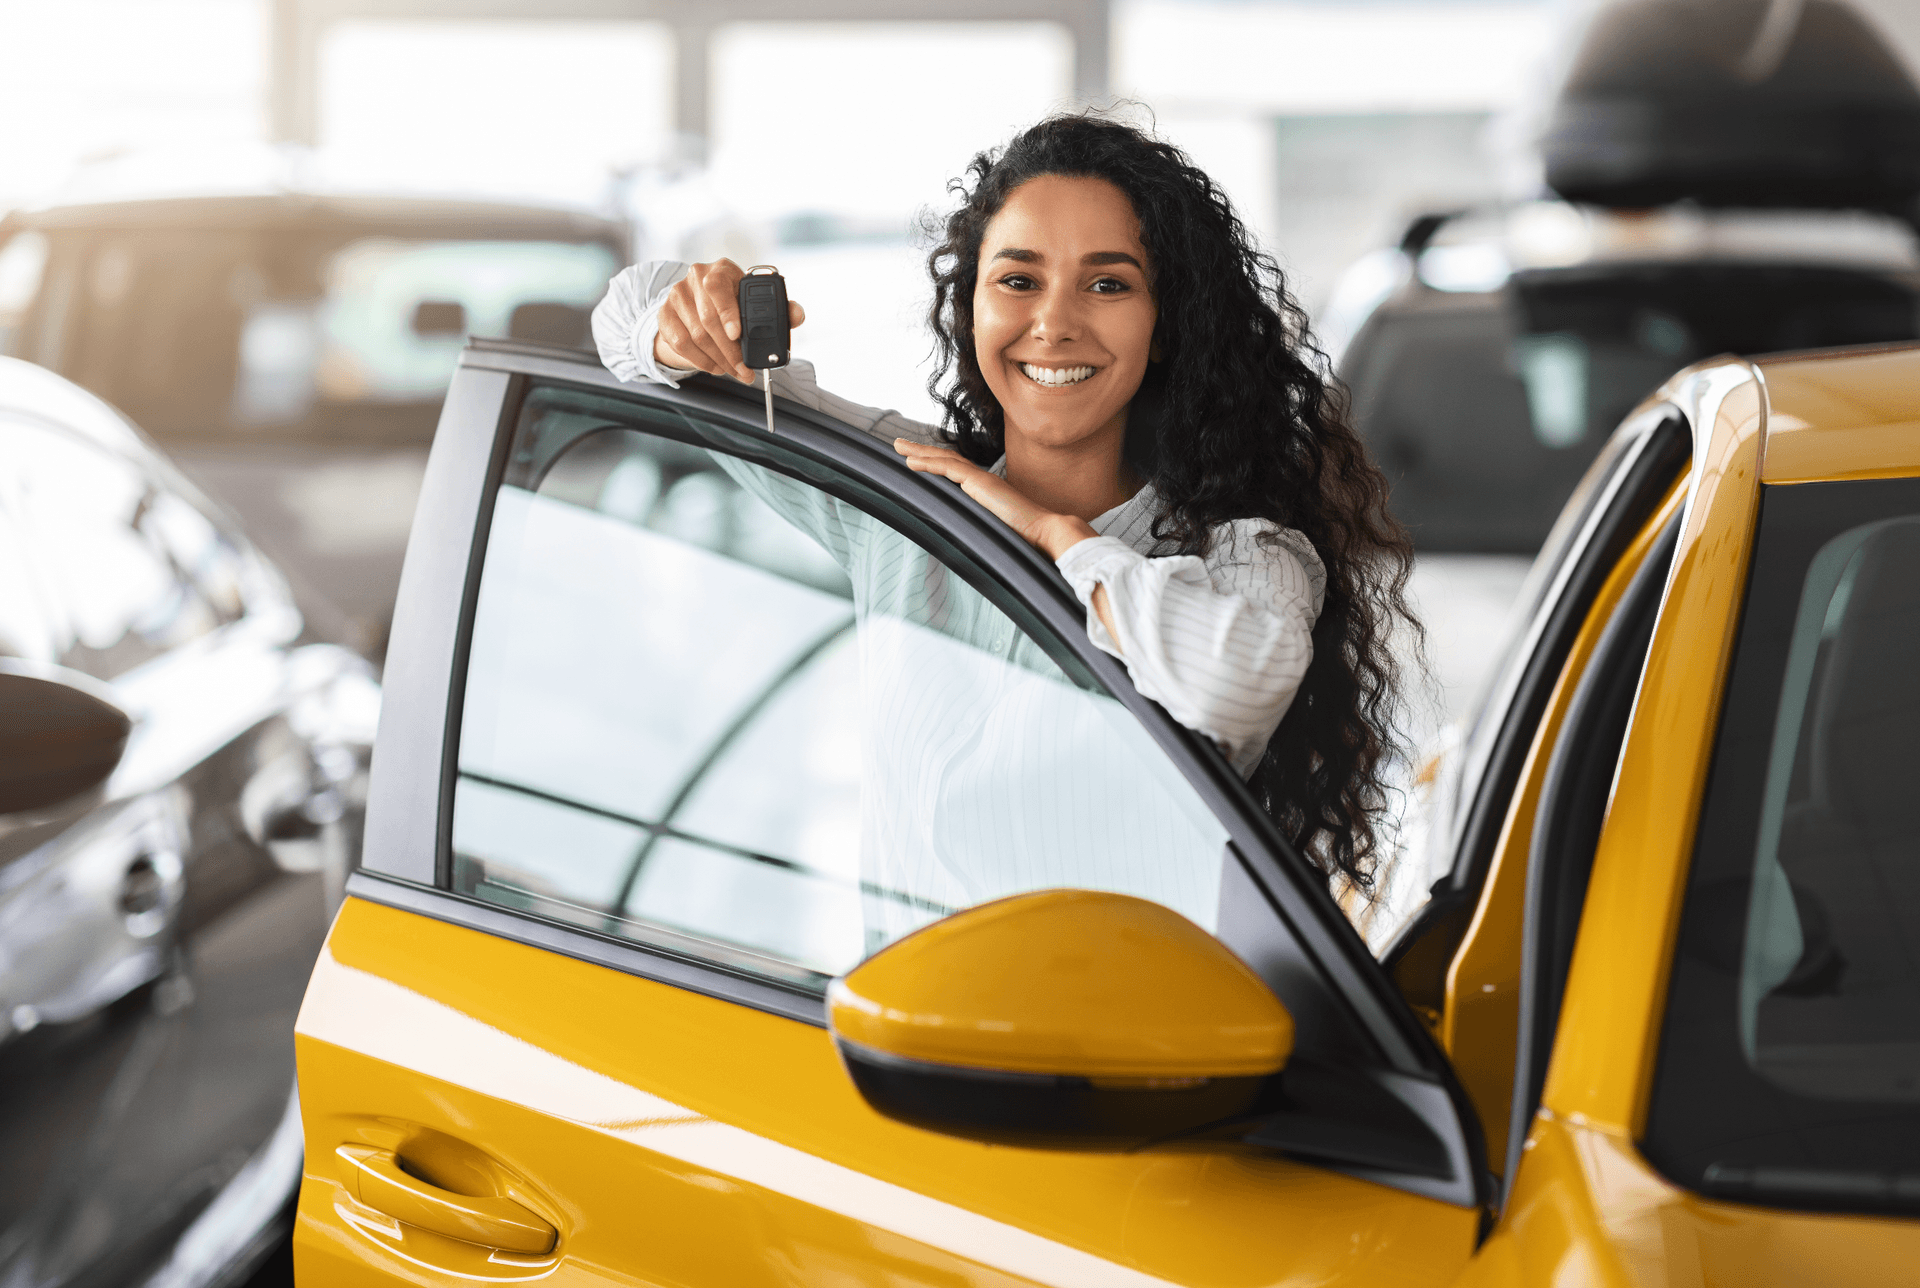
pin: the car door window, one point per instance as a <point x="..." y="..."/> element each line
<point x="1789" y="1068"/>
<point x="128" y="569"/>
<point x="740" y="714"/>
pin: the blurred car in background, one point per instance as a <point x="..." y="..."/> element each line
<point x="1507" y="343"/>
<point x="290" y="348"/>
<point x="181" y="788"/>
<point x="1724" y="177"/>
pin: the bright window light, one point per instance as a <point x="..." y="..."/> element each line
<point x="497" y="104"/>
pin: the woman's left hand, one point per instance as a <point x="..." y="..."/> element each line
<point x="1051" y="532"/>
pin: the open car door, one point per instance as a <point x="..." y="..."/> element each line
<point x="657" y="684"/>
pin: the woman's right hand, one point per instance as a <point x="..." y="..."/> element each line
<point x="700" y="322"/>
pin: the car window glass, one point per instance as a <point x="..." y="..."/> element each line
<point x="299" y="333"/>
<point x="1485" y="405"/>
<point x="1790" y="1062"/>
<point x="115" y="553"/>
<point x="1834" y="806"/>
<point x="714" y="706"/>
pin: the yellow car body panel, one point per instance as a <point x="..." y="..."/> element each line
<point x="1480" y="1025"/>
<point x="1587" y="1209"/>
<point x="1842" y="416"/>
<point x="639" y="1120"/>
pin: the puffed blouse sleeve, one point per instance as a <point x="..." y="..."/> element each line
<point x="627" y="320"/>
<point x="1222" y="643"/>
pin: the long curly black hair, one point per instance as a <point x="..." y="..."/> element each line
<point x="1236" y="421"/>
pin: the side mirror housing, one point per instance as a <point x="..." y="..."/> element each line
<point x="1072" y="1017"/>
<point x="60" y="735"/>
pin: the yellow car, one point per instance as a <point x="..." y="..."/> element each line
<point x="662" y="971"/>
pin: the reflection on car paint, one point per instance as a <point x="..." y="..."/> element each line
<point x="755" y="1200"/>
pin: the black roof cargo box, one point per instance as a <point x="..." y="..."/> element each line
<point x="1735" y="103"/>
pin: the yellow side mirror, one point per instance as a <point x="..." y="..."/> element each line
<point x="1075" y="1016"/>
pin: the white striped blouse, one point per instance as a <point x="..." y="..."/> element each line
<point x="1221" y="642"/>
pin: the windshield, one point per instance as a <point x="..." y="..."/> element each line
<point x="1485" y="407"/>
<point x="289" y="334"/>
<point x="1789" y="1067"/>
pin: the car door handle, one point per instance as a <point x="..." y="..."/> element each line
<point x="375" y="1178"/>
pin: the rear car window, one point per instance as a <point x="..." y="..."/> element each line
<point x="285" y="332"/>
<point x="1789" y="1066"/>
<point x="1485" y="407"/>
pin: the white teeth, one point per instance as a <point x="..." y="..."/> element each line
<point x="1056" y="375"/>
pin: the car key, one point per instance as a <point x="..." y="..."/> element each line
<point x="766" y="339"/>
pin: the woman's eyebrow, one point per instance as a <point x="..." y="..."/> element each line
<point x="1024" y="256"/>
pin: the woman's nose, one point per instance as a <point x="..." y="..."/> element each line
<point x="1056" y="319"/>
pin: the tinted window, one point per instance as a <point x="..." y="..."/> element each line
<point x="126" y="569"/>
<point x="720" y="708"/>
<point x="1790" y="1062"/>
<point x="1485" y="408"/>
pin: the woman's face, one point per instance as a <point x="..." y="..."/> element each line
<point x="1062" y="312"/>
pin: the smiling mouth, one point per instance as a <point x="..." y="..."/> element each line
<point x="1054" y="377"/>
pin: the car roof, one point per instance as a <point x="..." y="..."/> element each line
<point x="436" y="216"/>
<point x="1842" y="414"/>
<point x="35" y="392"/>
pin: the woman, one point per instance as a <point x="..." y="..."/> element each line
<point x="1129" y="387"/>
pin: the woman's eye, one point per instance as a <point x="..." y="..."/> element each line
<point x="1110" y="286"/>
<point x="1017" y="282"/>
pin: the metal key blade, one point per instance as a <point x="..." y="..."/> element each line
<point x="766" y="379"/>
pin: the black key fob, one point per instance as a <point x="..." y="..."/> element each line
<point x="766" y="340"/>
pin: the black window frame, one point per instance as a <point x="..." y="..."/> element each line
<point x="1282" y="917"/>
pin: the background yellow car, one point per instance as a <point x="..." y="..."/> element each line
<point x="614" y="999"/>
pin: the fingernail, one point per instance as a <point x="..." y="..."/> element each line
<point x="733" y="330"/>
